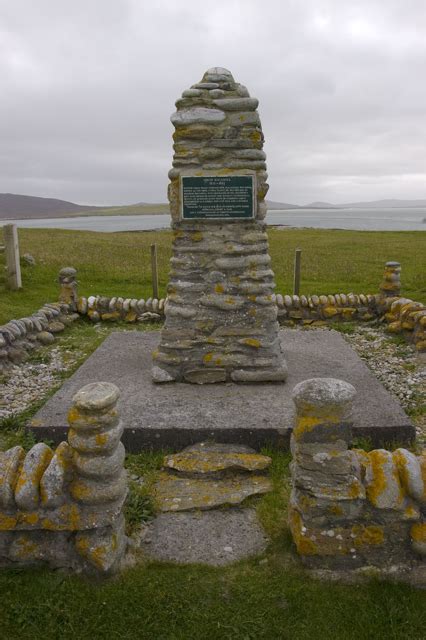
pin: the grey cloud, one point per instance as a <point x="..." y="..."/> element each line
<point x="88" y="87"/>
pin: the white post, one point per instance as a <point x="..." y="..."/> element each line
<point x="13" y="278"/>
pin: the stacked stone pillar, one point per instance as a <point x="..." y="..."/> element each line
<point x="64" y="507"/>
<point x="99" y="475"/>
<point x="68" y="287"/>
<point x="221" y="315"/>
<point x="390" y="287"/>
<point x="349" y="509"/>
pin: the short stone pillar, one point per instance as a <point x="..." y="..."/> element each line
<point x="65" y="507"/>
<point x="99" y="474"/>
<point x="221" y="315"/>
<point x="390" y="287"/>
<point x="350" y="509"/>
<point x="68" y="287"/>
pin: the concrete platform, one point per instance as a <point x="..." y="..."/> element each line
<point x="175" y="415"/>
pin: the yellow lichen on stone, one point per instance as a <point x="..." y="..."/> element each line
<point x="368" y="535"/>
<point x="304" y="545"/>
<point x="418" y="532"/>
<point x="208" y="357"/>
<point x="7" y="522"/>
<point x="330" y="312"/>
<point x="196" y="236"/>
<point x="219" y="288"/>
<point x="24" y="547"/>
<point x="252" y="342"/>
<point x="79" y="491"/>
<point x="307" y="423"/>
<point x="29" y="518"/>
<point x="355" y="490"/>
<point x="384" y="489"/>
<point x="130" y="316"/>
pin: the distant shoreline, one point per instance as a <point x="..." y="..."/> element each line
<point x="163" y="209"/>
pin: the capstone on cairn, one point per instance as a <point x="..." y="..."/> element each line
<point x="221" y="315"/>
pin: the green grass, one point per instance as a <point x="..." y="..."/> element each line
<point x="119" y="263"/>
<point x="250" y="600"/>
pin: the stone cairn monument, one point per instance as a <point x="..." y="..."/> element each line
<point x="220" y="316"/>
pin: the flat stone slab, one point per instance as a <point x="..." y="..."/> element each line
<point x="176" y="415"/>
<point x="207" y="459"/>
<point x="174" y="493"/>
<point x="209" y="537"/>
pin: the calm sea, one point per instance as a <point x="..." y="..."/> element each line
<point x="361" y="219"/>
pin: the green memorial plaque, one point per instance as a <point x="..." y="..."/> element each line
<point x="217" y="197"/>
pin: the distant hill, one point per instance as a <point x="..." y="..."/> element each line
<point x="385" y="204"/>
<point x="16" y="206"/>
<point x="280" y="205"/>
<point x="321" y="205"/>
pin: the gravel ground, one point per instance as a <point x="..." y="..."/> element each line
<point x="395" y="363"/>
<point x="398" y="367"/>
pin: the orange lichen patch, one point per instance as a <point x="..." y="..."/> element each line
<point x="371" y="535"/>
<point x="418" y="532"/>
<point x="208" y="357"/>
<point x="411" y="512"/>
<point x="383" y="479"/>
<point x="73" y="415"/>
<point x="256" y="136"/>
<point x="101" y="439"/>
<point x="211" y="462"/>
<point x="305" y="546"/>
<point x="177" y="493"/>
<point x="355" y="490"/>
<point x="25" y="547"/>
<point x="401" y="464"/>
<point x="336" y="510"/>
<point x="194" y="132"/>
<point x="330" y="312"/>
<point x="7" y="522"/>
<point x="252" y="342"/>
<point x="347" y="312"/>
<point x="308" y="423"/>
<point x="28" y="518"/>
<point x="79" y="490"/>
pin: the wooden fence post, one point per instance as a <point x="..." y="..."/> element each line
<point x="154" y="271"/>
<point x="296" y="281"/>
<point x="13" y="267"/>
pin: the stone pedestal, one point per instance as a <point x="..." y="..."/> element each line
<point x="220" y="316"/>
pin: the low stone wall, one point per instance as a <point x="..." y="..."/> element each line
<point x="351" y="510"/>
<point x="317" y="309"/>
<point x="401" y="315"/>
<point x="18" y="338"/>
<point x="64" y="507"/>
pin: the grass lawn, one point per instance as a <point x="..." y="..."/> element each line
<point x="119" y="263"/>
<point x="268" y="597"/>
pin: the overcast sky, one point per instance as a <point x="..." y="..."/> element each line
<point x="88" y="86"/>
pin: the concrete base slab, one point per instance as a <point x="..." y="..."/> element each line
<point x="175" y="415"/>
<point x="215" y="537"/>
